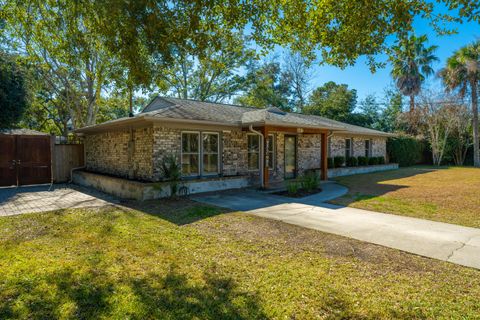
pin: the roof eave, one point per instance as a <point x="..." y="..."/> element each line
<point x="115" y="124"/>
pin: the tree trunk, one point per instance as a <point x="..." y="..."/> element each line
<point x="476" y="154"/>
<point x="412" y="103"/>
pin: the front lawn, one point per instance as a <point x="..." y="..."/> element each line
<point x="449" y="195"/>
<point x="180" y="260"/>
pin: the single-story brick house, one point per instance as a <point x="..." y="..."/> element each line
<point x="215" y="141"/>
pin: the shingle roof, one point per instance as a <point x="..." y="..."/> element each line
<point x="227" y="114"/>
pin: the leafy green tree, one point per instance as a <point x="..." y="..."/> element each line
<point x="212" y="75"/>
<point x="266" y="86"/>
<point x="462" y="73"/>
<point x="411" y="61"/>
<point x="60" y="38"/>
<point x="338" y="32"/>
<point x="13" y="91"/>
<point x="393" y="101"/>
<point x="332" y="100"/>
<point x="370" y="109"/>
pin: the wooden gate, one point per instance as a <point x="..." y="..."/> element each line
<point x="25" y="160"/>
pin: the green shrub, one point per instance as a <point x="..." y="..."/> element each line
<point x="293" y="187"/>
<point x="330" y="163"/>
<point x="362" y="161"/>
<point x="352" y="162"/>
<point x="171" y="171"/>
<point x="310" y="181"/>
<point x="381" y="160"/>
<point x="404" y="150"/>
<point x="372" y="161"/>
<point x="338" y="161"/>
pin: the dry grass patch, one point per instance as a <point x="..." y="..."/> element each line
<point x="182" y="260"/>
<point x="449" y="195"/>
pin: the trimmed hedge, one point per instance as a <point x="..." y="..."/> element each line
<point x="362" y="161"/>
<point x="352" y="162"/>
<point x="404" y="150"/>
<point x="338" y="161"/>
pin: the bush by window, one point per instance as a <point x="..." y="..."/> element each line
<point x="338" y="161"/>
<point x="362" y="161"/>
<point x="352" y="162"/>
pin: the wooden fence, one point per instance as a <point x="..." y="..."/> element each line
<point x="65" y="158"/>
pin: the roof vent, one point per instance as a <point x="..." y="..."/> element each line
<point x="276" y="111"/>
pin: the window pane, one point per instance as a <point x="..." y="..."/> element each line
<point x="190" y="142"/>
<point x="253" y="161"/>
<point x="270" y="143"/>
<point x="190" y="164"/>
<point x="210" y="142"/>
<point x="253" y="143"/>
<point x="210" y="163"/>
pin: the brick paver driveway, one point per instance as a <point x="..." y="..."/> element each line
<point x="39" y="198"/>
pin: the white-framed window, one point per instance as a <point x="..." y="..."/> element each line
<point x="348" y="148"/>
<point x="271" y="151"/>
<point x="253" y="147"/>
<point x="210" y="153"/>
<point x="190" y="153"/>
<point x="368" y="148"/>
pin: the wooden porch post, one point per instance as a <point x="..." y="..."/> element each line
<point x="324" y="156"/>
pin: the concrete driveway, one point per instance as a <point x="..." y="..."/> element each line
<point x="42" y="198"/>
<point x="443" y="241"/>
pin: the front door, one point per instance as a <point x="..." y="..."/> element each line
<point x="290" y="156"/>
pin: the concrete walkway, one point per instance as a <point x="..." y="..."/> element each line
<point x="447" y="242"/>
<point x="249" y="199"/>
<point x="31" y="199"/>
<point x="443" y="241"/>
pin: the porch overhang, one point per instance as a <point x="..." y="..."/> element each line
<point x="266" y="128"/>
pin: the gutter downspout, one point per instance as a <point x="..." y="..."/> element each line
<point x="262" y="162"/>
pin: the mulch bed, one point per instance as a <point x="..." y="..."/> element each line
<point x="300" y="194"/>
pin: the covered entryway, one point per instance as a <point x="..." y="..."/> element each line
<point x="291" y="158"/>
<point x="25" y="158"/>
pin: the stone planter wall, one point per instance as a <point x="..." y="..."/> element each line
<point x="348" y="171"/>
<point x="131" y="189"/>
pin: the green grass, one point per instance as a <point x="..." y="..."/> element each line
<point x="447" y="194"/>
<point x="179" y="260"/>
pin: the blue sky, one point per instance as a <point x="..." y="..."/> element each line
<point x="360" y="78"/>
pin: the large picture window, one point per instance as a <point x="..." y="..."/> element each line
<point x="210" y="153"/>
<point x="190" y="153"/>
<point x="253" y="152"/>
<point x="271" y="151"/>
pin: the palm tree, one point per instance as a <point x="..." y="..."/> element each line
<point x="462" y="73"/>
<point x="411" y="65"/>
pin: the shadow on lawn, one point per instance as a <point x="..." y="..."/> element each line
<point x="180" y="211"/>
<point x="371" y="185"/>
<point x="93" y="295"/>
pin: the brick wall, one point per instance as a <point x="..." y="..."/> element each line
<point x="309" y="150"/>
<point x="234" y="153"/>
<point x="166" y="141"/>
<point x="337" y="146"/>
<point x="114" y="153"/>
